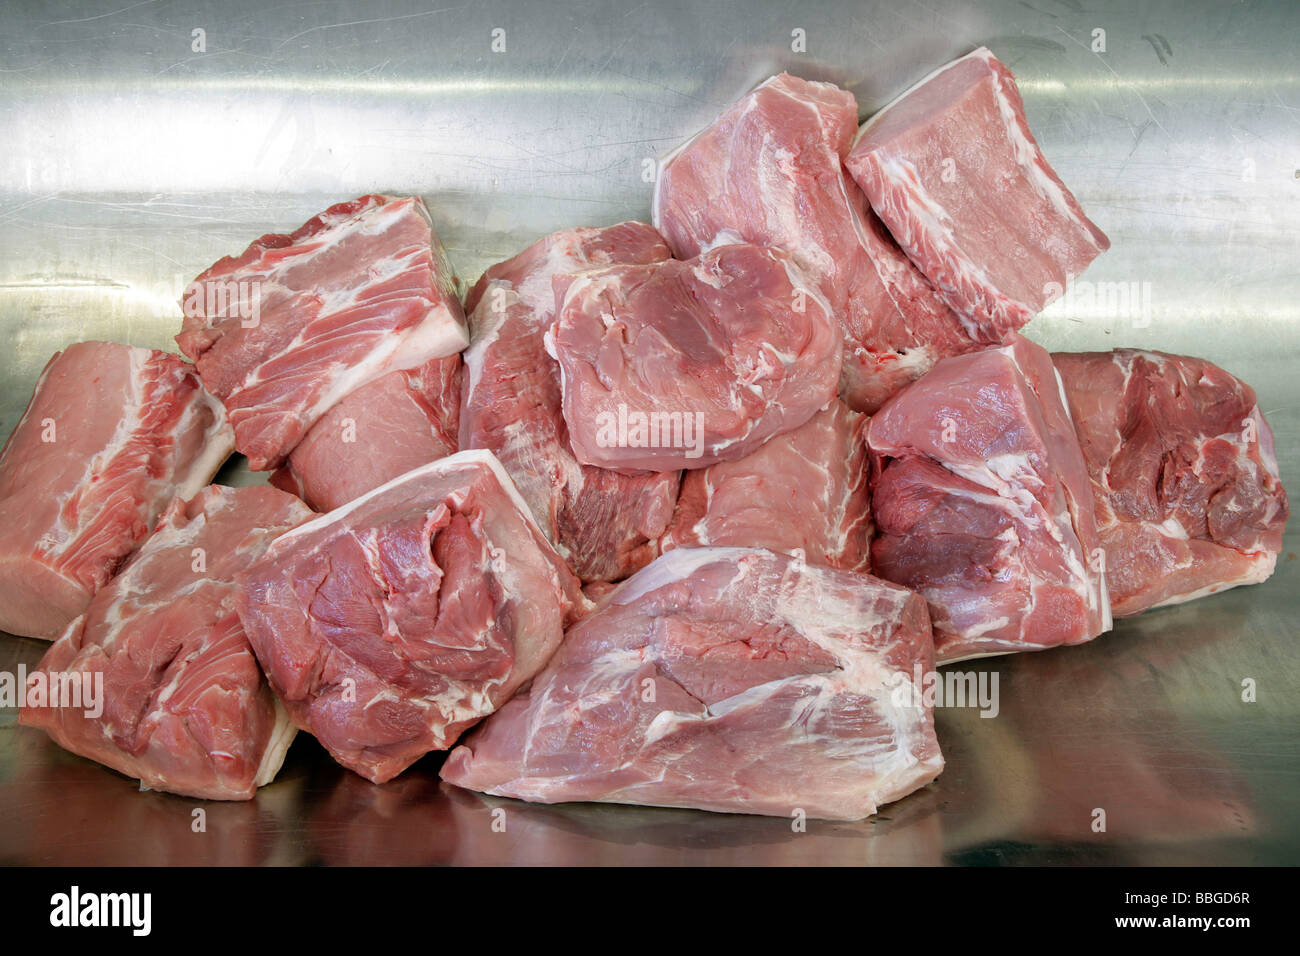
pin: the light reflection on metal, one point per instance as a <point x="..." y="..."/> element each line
<point x="129" y="165"/>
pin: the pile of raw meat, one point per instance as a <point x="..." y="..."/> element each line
<point x="675" y="514"/>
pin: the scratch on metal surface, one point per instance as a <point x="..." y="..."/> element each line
<point x="358" y="23"/>
<point x="937" y="14"/>
<point x="567" y="48"/>
<point x="1163" y="49"/>
<point x="29" y="69"/>
<point x="614" y="51"/>
<point x="662" y="86"/>
<point x="152" y="250"/>
<point x="68" y="283"/>
<point x="141" y="207"/>
<point x="1030" y="6"/>
<point x="8" y="214"/>
<point x="199" y="56"/>
<point x="100" y="16"/>
<point x="1137" y="140"/>
<point x="1136" y="92"/>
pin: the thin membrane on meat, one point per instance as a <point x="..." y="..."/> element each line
<point x="726" y="679"/>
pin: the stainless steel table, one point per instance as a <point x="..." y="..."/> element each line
<point x="132" y="155"/>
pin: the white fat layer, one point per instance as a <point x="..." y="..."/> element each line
<point x="927" y="217"/>
<point x="986" y="626"/>
<point x="282" y="734"/>
<point x="1027" y="156"/>
<point x="439" y="335"/>
<point x="563" y="257"/>
<point x="917" y="360"/>
<point x="983" y="654"/>
<point x="218" y="445"/>
<point x="800" y="281"/>
<point x="1172" y="528"/>
<point x="1261" y="568"/>
<point x="723" y="237"/>
<point x="1266" y="449"/>
<point x="486" y="324"/>
<point x="476" y="457"/>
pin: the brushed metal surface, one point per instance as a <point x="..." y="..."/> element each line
<point x="130" y="162"/>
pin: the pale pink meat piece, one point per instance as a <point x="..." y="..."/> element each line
<point x="294" y="324"/>
<point x="954" y="172"/>
<point x="112" y="434"/>
<point x="184" y="706"/>
<point x="1184" y="475"/>
<point x="725" y="679"/>
<point x="769" y="171"/>
<point x="684" y="364"/>
<point x="804" y="491"/>
<point x="982" y="504"/>
<point x="395" y="423"/>
<point x="391" y="625"/>
<point x="603" y="523"/>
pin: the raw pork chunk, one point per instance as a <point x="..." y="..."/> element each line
<point x="770" y="171"/>
<point x="392" y="624"/>
<point x="804" y="491"/>
<point x="982" y="504"/>
<point x="956" y="175"/>
<point x="395" y="423"/>
<point x="604" y="524"/>
<point x="111" y="435"/>
<point x="726" y="679"/>
<point x="285" y="330"/>
<point x="685" y="364"/>
<point x="184" y="705"/>
<point x="1184" y="475"/>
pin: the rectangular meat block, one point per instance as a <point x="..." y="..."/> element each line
<point x="297" y="322"/>
<point x="804" y="491"/>
<point x="685" y="364"/>
<point x="982" y="504"/>
<point x="184" y="706"/>
<point x="725" y="679"/>
<point x="770" y="171"/>
<point x="397" y="422"/>
<point x="110" y="437"/>
<point x="1184" y="475"/>
<point x="604" y="524"/>
<point x="953" y="171"/>
<point x="391" y="625"/>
